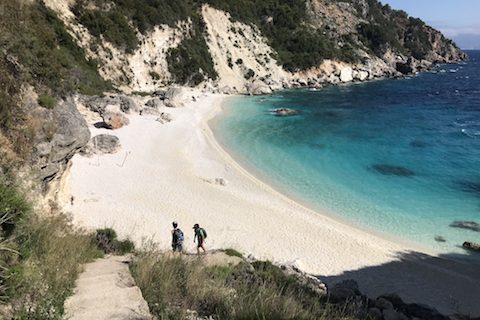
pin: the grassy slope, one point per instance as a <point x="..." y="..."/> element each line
<point x="173" y="285"/>
<point x="40" y="258"/>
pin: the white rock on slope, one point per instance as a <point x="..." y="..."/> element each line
<point x="346" y="74"/>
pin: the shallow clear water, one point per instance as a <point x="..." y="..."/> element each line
<point x="401" y="157"/>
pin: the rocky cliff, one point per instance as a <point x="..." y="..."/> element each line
<point x="253" y="46"/>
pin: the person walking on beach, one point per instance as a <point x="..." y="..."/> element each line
<point x="200" y="235"/>
<point x="177" y="238"/>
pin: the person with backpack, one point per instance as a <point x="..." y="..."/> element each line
<point x="177" y="238"/>
<point x="200" y="235"/>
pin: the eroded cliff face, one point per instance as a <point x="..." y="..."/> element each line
<point x="245" y="60"/>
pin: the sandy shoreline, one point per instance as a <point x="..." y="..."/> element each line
<point x="167" y="172"/>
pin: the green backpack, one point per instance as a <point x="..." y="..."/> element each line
<point x="202" y="233"/>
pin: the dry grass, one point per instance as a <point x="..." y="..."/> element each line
<point x="40" y="258"/>
<point x="173" y="284"/>
<point x="51" y="255"/>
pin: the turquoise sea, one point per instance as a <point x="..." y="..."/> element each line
<point x="398" y="157"/>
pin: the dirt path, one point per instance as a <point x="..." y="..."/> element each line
<point x="106" y="290"/>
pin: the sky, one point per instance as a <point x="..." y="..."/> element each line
<point x="457" y="19"/>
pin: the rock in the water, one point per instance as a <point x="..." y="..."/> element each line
<point x="470" y="187"/>
<point x="114" y="120"/>
<point x="418" y="144"/>
<point x="470" y="225"/>
<point x="390" y="170"/>
<point x="105" y="143"/>
<point x="284" y="112"/>
<point x="440" y="239"/>
<point x="346" y="75"/>
<point x="471" y="246"/>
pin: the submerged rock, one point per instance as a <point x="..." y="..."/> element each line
<point x="470" y="186"/>
<point x="470" y="225"/>
<point x="390" y="170"/>
<point x="440" y="239"/>
<point x="471" y="246"/>
<point x="284" y="112"/>
<point x="418" y="144"/>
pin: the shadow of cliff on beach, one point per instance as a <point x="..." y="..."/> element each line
<point x="450" y="283"/>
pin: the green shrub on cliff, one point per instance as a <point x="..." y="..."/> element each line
<point x="45" y="54"/>
<point x="190" y="62"/>
<point x="286" y="26"/>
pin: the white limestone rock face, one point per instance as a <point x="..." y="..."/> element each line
<point x="346" y="75"/>
<point x="240" y="53"/>
<point x="362" y="75"/>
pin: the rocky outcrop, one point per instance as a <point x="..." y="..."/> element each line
<point x="68" y="133"/>
<point x="384" y="307"/>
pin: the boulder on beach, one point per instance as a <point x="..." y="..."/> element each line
<point x="155" y="103"/>
<point x="471" y="246"/>
<point x="470" y="225"/>
<point x="391" y="170"/>
<point x="164" y="118"/>
<point x="114" y="120"/>
<point x="284" y="112"/>
<point x="101" y="144"/>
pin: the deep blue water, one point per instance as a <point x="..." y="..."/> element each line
<point x="400" y="157"/>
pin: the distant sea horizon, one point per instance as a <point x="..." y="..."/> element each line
<point x="398" y="157"/>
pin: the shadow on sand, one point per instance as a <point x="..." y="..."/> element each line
<point x="450" y="283"/>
